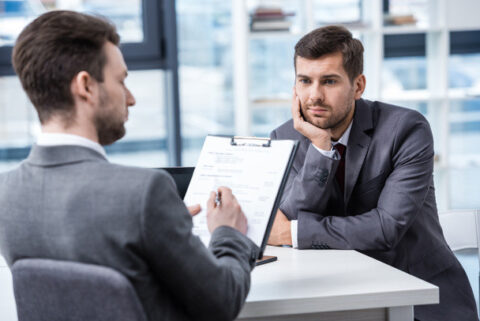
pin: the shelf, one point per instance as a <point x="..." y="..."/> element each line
<point x="394" y="30"/>
<point x="270" y="103"/>
<point x="464" y="93"/>
<point x="460" y="28"/>
<point x="273" y="34"/>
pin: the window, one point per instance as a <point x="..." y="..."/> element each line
<point x="205" y="73"/>
<point x="272" y="77"/>
<point x="405" y="65"/>
<point x="464" y="156"/>
<point x="147" y="30"/>
<point x="334" y="12"/>
<point x="464" y="119"/>
<point x="464" y="64"/>
<point x="16" y="14"/>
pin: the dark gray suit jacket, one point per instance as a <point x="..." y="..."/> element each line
<point x="70" y="203"/>
<point x="388" y="209"/>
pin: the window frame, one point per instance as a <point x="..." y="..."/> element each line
<point x="158" y="50"/>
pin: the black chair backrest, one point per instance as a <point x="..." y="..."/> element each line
<point x="51" y="290"/>
<point x="182" y="177"/>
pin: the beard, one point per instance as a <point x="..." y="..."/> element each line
<point x="337" y="115"/>
<point x="108" y="123"/>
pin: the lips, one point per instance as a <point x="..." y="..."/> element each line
<point x="317" y="111"/>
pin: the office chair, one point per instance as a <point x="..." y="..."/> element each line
<point x="182" y="177"/>
<point x="49" y="290"/>
<point x="461" y="229"/>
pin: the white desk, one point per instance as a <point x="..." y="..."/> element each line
<point x="332" y="285"/>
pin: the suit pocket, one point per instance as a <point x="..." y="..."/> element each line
<point x="372" y="184"/>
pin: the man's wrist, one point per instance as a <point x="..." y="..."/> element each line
<point x="323" y="145"/>
<point x="327" y="153"/>
<point x="288" y="236"/>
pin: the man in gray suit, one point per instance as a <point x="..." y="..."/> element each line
<point x="362" y="178"/>
<point x="67" y="202"/>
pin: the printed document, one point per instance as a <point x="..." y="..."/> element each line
<point x="252" y="169"/>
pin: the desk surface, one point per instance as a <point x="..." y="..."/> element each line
<point x="309" y="281"/>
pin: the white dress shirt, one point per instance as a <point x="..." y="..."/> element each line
<point x="56" y="139"/>
<point x="328" y="153"/>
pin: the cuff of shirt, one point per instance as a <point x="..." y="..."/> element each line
<point x="293" y="230"/>
<point x="327" y="153"/>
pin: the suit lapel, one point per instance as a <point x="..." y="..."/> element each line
<point x="357" y="146"/>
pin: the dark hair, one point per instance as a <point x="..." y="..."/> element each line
<point x="54" y="48"/>
<point x="332" y="39"/>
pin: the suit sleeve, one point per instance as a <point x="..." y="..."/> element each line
<point x="399" y="203"/>
<point x="313" y="176"/>
<point x="209" y="283"/>
<point x="314" y="179"/>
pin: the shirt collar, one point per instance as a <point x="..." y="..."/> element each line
<point x="344" y="139"/>
<point x="56" y="139"/>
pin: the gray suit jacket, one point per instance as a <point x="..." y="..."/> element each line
<point x="70" y="203"/>
<point x="388" y="209"/>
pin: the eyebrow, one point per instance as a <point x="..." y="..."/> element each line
<point x="331" y="76"/>
<point x="324" y="76"/>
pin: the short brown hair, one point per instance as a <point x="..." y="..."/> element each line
<point x="332" y="39"/>
<point x="54" y="48"/>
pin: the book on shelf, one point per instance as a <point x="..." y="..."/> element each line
<point x="270" y="19"/>
<point x="399" y="20"/>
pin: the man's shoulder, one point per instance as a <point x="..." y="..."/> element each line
<point x="395" y="123"/>
<point x="131" y="170"/>
<point x="386" y="111"/>
<point x="129" y="173"/>
<point x="389" y="117"/>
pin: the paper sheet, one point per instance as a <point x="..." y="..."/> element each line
<point x="254" y="173"/>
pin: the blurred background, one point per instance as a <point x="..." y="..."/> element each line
<point x="226" y="67"/>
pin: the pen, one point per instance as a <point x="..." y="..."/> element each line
<point x="218" y="199"/>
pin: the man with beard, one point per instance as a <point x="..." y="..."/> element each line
<point x="362" y="178"/>
<point x="67" y="202"/>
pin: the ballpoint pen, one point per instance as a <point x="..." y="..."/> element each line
<point x="218" y="199"/>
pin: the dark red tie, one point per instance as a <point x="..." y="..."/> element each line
<point x="340" y="174"/>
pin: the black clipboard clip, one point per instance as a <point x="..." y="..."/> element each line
<point x="250" y="141"/>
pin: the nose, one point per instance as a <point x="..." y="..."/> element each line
<point x="316" y="92"/>
<point x="130" y="99"/>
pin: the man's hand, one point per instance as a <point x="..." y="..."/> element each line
<point x="318" y="136"/>
<point x="227" y="212"/>
<point x="194" y="209"/>
<point x="281" y="233"/>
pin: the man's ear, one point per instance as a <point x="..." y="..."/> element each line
<point x="84" y="87"/>
<point x="360" y="82"/>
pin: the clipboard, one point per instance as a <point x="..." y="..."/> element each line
<point x="256" y="169"/>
